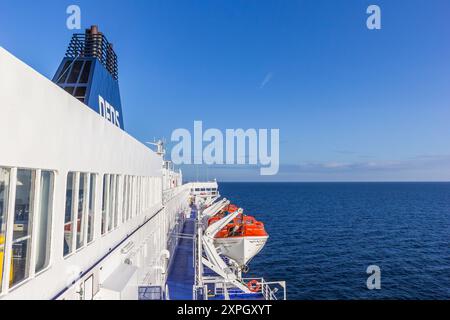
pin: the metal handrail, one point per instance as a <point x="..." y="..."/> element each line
<point x="266" y="289"/>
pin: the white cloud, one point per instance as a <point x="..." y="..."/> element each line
<point x="266" y="80"/>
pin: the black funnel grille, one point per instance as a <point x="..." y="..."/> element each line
<point x="94" y="44"/>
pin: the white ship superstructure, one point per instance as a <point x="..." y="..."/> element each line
<point x="81" y="201"/>
<point x="86" y="211"/>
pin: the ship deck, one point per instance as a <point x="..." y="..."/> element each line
<point x="182" y="272"/>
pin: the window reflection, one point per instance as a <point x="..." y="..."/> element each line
<point x="111" y="201"/>
<point x="22" y="225"/>
<point x="80" y="215"/>
<point x="91" y="211"/>
<point x="129" y="199"/>
<point x="105" y="201"/>
<point x="44" y="220"/>
<point x="124" y="199"/>
<point x="4" y="188"/>
<point x="68" y="219"/>
<point x="116" y="201"/>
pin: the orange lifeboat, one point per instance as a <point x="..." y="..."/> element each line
<point x="225" y="211"/>
<point x="246" y="226"/>
<point x="231" y="208"/>
<point x="242" y="239"/>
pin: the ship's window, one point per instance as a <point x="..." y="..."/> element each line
<point x="44" y="220"/>
<point x="111" y="202"/>
<point x="80" y="229"/>
<point x="69" y="89"/>
<point x="73" y="78"/>
<point x="124" y="199"/>
<point x="91" y="212"/>
<point x="139" y="195"/>
<point x="116" y="201"/>
<point x="129" y="199"/>
<point x="149" y="192"/>
<point x="21" y="244"/>
<point x="105" y="201"/>
<point x="135" y="196"/>
<point x="4" y="188"/>
<point x="141" y="202"/>
<point x="68" y="219"/>
<point x="135" y="210"/>
<point x="64" y="72"/>
<point x="84" y="78"/>
<point x="145" y="194"/>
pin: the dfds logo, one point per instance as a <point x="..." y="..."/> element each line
<point x="108" y="112"/>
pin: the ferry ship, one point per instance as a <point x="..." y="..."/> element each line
<point x="87" y="212"/>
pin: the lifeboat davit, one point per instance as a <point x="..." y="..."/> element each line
<point x="242" y="239"/>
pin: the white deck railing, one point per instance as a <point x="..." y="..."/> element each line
<point x="274" y="290"/>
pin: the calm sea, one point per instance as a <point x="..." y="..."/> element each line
<point x="323" y="236"/>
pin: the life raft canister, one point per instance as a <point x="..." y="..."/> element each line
<point x="254" y="286"/>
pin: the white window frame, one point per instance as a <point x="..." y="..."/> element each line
<point x="33" y="224"/>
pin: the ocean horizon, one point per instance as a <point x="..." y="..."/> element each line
<point x="323" y="236"/>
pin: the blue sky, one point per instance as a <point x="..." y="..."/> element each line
<point x="351" y="104"/>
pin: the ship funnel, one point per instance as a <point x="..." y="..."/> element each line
<point x="89" y="71"/>
<point x="94" y="44"/>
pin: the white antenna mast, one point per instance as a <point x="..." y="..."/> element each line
<point x="160" y="150"/>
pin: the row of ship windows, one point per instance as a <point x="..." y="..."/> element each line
<point x="123" y="197"/>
